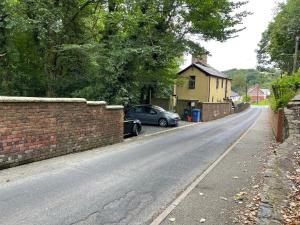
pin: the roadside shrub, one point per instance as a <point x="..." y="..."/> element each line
<point x="262" y="102"/>
<point x="284" y="89"/>
<point x="246" y="98"/>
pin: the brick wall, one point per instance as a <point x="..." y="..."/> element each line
<point x="286" y="122"/>
<point x="33" y="129"/>
<point x="213" y="111"/>
<point x="277" y="123"/>
<point x="241" y="107"/>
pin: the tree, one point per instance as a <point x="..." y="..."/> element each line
<point x="250" y="76"/>
<point x="277" y="45"/>
<point x="113" y="50"/>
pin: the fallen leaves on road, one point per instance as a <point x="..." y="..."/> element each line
<point x="172" y="219"/>
<point x="202" y="220"/>
<point x="223" y="198"/>
<point x="291" y="213"/>
<point x="240" y="196"/>
<point x="249" y="202"/>
<point x="248" y="214"/>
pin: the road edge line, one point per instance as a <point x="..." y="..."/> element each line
<point x="158" y="220"/>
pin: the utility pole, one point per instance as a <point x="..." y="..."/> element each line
<point x="296" y="55"/>
<point x="257" y="87"/>
<point x="246" y="89"/>
<point x="150" y="96"/>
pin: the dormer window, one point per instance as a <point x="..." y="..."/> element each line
<point x="192" y="82"/>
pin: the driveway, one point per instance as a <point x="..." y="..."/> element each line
<point x="128" y="183"/>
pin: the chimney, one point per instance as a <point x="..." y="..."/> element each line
<point x="200" y="59"/>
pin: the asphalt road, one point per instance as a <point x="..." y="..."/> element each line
<point x="240" y="171"/>
<point x="128" y="183"/>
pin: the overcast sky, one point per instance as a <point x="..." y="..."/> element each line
<point x="240" y="51"/>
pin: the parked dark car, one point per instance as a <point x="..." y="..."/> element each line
<point x="132" y="127"/>
<point x="151" y="114"/>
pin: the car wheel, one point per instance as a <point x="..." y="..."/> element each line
<point x="135" y="130"/>
<point x="163" y="123"/>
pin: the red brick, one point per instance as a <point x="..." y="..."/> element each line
<point x="52" y="129"/>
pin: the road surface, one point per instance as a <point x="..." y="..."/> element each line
<point x="128" y="183"/>
<point x="241" y="170"/>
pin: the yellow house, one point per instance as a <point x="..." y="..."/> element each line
<point x="201" y="82"/>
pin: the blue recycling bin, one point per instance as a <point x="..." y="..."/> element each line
<point x="196" y="115"/>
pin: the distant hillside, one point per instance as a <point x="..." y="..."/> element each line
<point x="253" y="77"/>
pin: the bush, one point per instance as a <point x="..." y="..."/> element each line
<point x="262" y="102"/>
<point x="246" y="98"/>
<point x="284" y="89"/>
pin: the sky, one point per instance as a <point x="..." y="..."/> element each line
<point x="239" y="52"/>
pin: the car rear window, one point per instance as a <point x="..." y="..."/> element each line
<point x="138" y="109"/>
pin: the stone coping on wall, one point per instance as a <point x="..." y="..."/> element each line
<point x="295" y="102"/>
<point x="214" y="102"/>
<point x="96" y="103"/>
<point x="36" y="99"/>
<point x="296" y="98"/>
<point x="13" y="99"/>
<point x="113" y="107"/>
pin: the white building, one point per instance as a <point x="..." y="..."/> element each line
<point x="235" y="97"/>
<point x="266" y="92"/>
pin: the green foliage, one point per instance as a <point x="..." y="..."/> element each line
<point x="262" y="102"/>
<point x="284" y="89"/>
<point x="252" y="76"/>
<point x="246" y="98"/>
<point x="115" y="50"/>
<point x="277" y="45"/>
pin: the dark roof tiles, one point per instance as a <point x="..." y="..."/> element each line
<point x="207" y="69"/>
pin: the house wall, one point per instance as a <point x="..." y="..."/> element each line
<point x="205" y="90"/>
<point x="256" y="94"/>
<point x="33" y="129"/>
<point x="218" y="94"/>
<point x="201" y="90"/>
<point x="229" y="84"/>
<point x="254" y="98"/>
